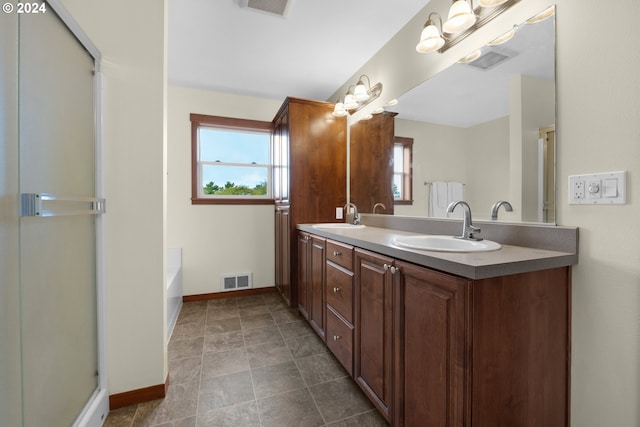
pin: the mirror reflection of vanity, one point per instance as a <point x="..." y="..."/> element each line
<point x="488" y="125"/>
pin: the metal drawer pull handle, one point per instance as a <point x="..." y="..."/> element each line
<point x="336" y="337"/>
<point x="31" y="205"/>
<point x="385" y="266"/>
<point x="393" y="270"/>
<point x="336" y="290"/>
<point x="336" y="253"/>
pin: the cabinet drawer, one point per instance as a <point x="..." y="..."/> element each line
<point x="340" y="339"/>
<point x="340" y="253"/>
<point x="340" y="290"/>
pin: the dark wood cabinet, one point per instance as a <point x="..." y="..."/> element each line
<point x="490" y="352"/>
<point x="304" y="273"/>
<point x="371" y="149"/>
<point x="340" y="339"/>
<point x="521" y="334"/>
<point x="433" y="349"/>
<point x="339" y="302"/>
<point x="282" y="251"/>
<point x="374" y="333"/>
<point x="316" y="288"/>
<point x="431" y="314"/>
<point x="311" y="280"/>
<point x="309" y="178"/>
<point x="283" y="232"/>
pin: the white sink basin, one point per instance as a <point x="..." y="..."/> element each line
<point x="342" y="225"/>
<point x="445" y="244"/>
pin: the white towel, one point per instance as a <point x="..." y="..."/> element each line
<point x="454" y="193"/>
<point x="438" y="200"/>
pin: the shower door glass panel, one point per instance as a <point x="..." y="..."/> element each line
<point x="57" y="253"/>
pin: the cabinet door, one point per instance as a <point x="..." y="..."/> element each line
<point x="522" y="330"/>
<point x="317" y="299"/>
<point x="282" y="251"/>
<point x="430" y="335"/>
<point x="373" y="337"/>
<point x="304" y="251"/>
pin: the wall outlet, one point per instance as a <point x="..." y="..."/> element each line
<point x="339" y="214"/>
<point x="609" y="188"/>
<point x="576" y="188"/>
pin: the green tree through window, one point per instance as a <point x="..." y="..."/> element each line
<point x="232" y="189"/>
<point x="231" y="160"/>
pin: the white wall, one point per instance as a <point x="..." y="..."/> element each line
<point x="598" y="130"/>
<point x="215" y="239"/>
<point x="531" y="104"/>
<point x="445" y="153"/>
<point x="487" y="165"/>
<point x="131" y="37"/>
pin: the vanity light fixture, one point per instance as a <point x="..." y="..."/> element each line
<point x="431" y="38"/>
<point x="350" y="101"/>
<point x="357" y="97"/>
<point x="361" y="92"/>
<point x="462" y="21"/>
<point x="339" y="110"/>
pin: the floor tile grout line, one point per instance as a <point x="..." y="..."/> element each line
<point x="202" y="353"/>
<point x="204" y="332"/>
<point x="313" y="399"/>
<point x="280" y="336"/>
<point x="253" y="383"/>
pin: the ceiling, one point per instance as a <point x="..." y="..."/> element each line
<point x="311" y="52"/>
<point x="220" y="45"/>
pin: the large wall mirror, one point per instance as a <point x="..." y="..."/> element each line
<point x="488" y="127"/>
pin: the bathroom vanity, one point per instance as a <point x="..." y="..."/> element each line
<point x="445" y="339"/>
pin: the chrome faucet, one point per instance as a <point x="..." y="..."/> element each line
<point x="379" y="205"/>
<point x="356" y="216"/>
<point x="468" y="230"/>
<point x="496" y="206"/>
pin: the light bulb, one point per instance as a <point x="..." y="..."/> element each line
<point x="460" y="18"/>
<point x="360" y="92"/>
<point x="430" y="39"/>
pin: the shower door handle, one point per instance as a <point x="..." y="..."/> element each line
<point x="31" y="204"/>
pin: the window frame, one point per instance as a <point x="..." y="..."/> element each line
<point x="407" y="170"/>
<point x="201" y="120"/>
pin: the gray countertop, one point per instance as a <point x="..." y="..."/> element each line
<point x="473" y="265"/>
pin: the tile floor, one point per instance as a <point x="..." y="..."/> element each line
<point x="250" y="361"/>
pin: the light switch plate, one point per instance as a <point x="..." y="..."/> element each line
<point x="608" y="188"/>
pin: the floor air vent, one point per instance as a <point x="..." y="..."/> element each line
<point x="276" y="7"/>
<point x="234" y="282"/>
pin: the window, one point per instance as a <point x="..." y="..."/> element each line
<point x="402" y="171"/>
<point x="230" y="161"/>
